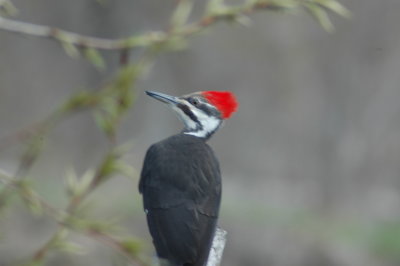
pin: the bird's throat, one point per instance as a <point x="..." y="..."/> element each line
<point x="204" y="130"/>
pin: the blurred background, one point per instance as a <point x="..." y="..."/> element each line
<point x="310" y="161"/>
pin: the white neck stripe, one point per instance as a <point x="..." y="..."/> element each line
<point x="208" y="125"/>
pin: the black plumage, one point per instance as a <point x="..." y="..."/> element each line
<point x="181" y="187"/>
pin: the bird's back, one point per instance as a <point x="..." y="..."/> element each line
<point x="181" y="186"/>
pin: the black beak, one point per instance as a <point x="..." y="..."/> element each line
<point x="165" y="98"/>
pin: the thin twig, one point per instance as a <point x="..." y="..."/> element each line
<point x="57" y="214"/>
<point x="144" y="40"/>
<point x="72" y="38"/>
<point x="15" y="184"/>
<point x="116" y="244"/>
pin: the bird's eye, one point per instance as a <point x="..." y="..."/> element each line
<point x="194" y="101"/>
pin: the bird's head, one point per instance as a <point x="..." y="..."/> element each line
<point x="201" y="112"/>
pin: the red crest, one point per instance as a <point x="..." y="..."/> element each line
<point x="224" y="101"/>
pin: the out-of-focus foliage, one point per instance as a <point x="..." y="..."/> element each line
<point x="75" y="217"/>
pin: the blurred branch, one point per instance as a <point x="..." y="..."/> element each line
<point x="34" y="134"/>
<point x="69" y="218"/>
<point x="129" y="247"/>
<point x="109" y="103"/>
<point x="65" y="36"/>
<point x="112" y="101"/>
<point x="217" y="11"/>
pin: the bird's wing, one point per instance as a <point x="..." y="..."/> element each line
<point x="181" y="235"/>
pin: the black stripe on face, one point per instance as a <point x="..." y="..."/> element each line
<point x="205" y="109"/>
<point x="198" y="103"/>
<point x="189" y="113"/>
<point x="209" y="111"/>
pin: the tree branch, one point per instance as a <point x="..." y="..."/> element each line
<point x="216" y="14"/>
<point x="72" y="38"/>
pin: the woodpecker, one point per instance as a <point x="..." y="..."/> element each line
<point x="181" y="180"/>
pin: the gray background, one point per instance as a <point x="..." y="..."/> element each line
<point x="310" y="161"/>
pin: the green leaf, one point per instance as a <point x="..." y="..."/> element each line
<point x="30" y="198"/>
<point x="321" y="16"/>
<point x="95" y="58"/>
<point x="279" y="5"/>
<point x="214" y="5"/>
<point x="108" y="166"/>
<point x="70" y="49"/>
<point x="182" y="13"/>
<point x="104" y="123"/>
<point x="125" y="77"/>
<point x="71" y="182"/>
<point x="125" y="169"/>
<point x="85" y="181"/>
<point x="70" y="247"/>
<point x="334" y="6"/>
<point x="113" y="164"/>
<point x="77" y="186"/>
<point x="80" y="100"/>
<point x="109" y="106"/>
<point x="131" y="246"/>
<point x="7" y="8"/>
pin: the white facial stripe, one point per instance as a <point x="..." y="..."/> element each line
<point x="209" y="127"/>
<point x="209" y="124"/>
<point x="206" y="124"/>
<point x="189" y="123"/>
<point x="209" y="105"/>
